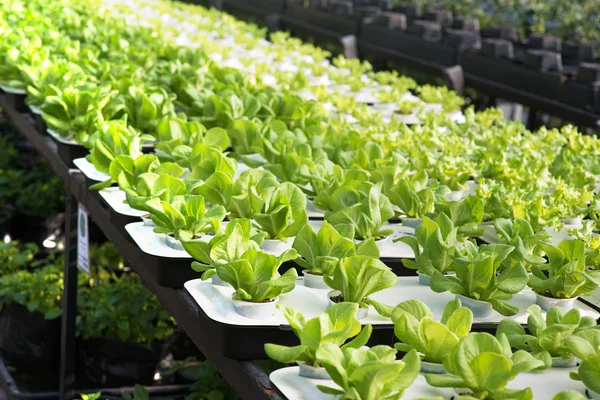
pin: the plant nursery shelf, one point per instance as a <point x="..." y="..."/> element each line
<point x="245" y="377"/>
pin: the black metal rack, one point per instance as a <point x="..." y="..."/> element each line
<point x="245" y="377"/>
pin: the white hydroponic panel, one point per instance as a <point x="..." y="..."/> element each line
<point x="153" y="243"/>
<point x="115" y="198"/>
<point x="544" y="384"/>
<point x="88" y="169"/>
<point x="61" y="139"/>
<point x="11" y="90"/>
<point x="216" y="302"/>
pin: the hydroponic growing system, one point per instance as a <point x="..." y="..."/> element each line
<point x="286" y="204"/>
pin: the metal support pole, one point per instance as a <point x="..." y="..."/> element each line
<point x="69" y="302"/>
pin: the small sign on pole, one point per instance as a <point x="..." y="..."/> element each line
<point x="83" y="253"/>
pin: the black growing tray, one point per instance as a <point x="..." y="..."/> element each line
<point x="396" y="40"/>
<point x="69" y="152"/>
<point x="254" y="8"/>
<point x="15" y="101"/>
<point x="512" y="74"/>
<point x="169" y="272"/>
<point x="337" y="23"/>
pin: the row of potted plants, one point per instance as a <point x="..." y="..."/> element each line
<point x="332" y="347"/>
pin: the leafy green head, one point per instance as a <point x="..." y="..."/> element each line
<point x="434" y="246"/>
<point x="466" y="214"/>
<point x="481" y="274"/>
<point x="139" y="189"/>
<point x="484" y="365"/>
<point x="283" y="211"/>
<point x="185" y="213"/>
<point x="547" y="337"/>
<point x="173" y="132"/>
<point x="320" y="252"/>
<point x="366" y="210"/>
<point x="519" y="234"/>
<point x="255" y="278"/>
<point x="416" y="328"/>
<point x="335" y="326"/>
<point x="225" y="247"/>
<point x="247" y="193"/>
<point x="357" y="277"/>
<point x="566" y="275"/>
<point x="368" y="373"/>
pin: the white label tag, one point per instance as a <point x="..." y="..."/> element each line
<point x="83" y="252"/>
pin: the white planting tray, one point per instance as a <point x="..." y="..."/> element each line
<point x="61" y="139"/>
<point x="295" y="387"/>
<point x="153" y="243"/>
<point x="387" y="247"/>
<point x="88" y="169"/>
<point x="36" y="110"/>
<point x="544" y="384"/>
<point x="11" y="90"/>
<point x="216" y="302"/>
<point x="115" y="198"/>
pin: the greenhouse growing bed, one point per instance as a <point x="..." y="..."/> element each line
<point x="443" y="252"/>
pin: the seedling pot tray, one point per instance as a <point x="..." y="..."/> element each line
<point x="414" y="46"/>
<point x="109" y="362"/>
<point x="27" y="339"/>
<point x="512" y="74"/>
<point x="92" y="175"/>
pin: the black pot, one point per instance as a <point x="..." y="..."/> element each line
<point x="27" y="339"/>
<point x="111" y="363"/>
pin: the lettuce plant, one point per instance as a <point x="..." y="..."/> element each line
<point x="357" y="277"/>
<point x="449" y="100"/>
<point x="566" y="275"/>
<point x="203" y="161"/>
<point x="413" y="197"/>
<point x="519" y="234"/>
<point x="548" y="336"/>
<point x="222" y="248"/>
<point x="479" y="276"/>
<point x="283" y="212"/>
<point x="247" y="193"/>
<point x="255" y="278"/>
<point x="162" y="182"/>
<point x="367" y="373"/>
<point x="185" y="213"/>
<point x="44" y="79"/>
<point x="466" y="215"/>
<point x="366" y="211"/>
<point x="146" y="107"/>
<point x="585" y="345"/>
<point x="335" y="326"/>
<point x="245" y="136"/>
<point x="320" y="252"/>
<point x="484" y="365"/>
<point x="73" y="112"/>
<point x="172" y="132"/>
<point x="416" y="328"/>
<point x="434" y="245"/>
<point x="114" y="138"/>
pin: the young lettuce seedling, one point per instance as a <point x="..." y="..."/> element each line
<point x="320" y="252"/>
<point x="548" y="338"/>
<point x="367" y="373"/>
<point x="227" y="247"/>
<point x="483" y="365"/>
<point x="357" y="277"/>
<point x="254" y="275"/>
<point x="481" y="276"/>
<point x="416" y="328"/>
<point x="566" y="275"/>
<point x="335" y="326"/>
